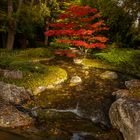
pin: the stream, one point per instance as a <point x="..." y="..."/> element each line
<point x="73" y="111"/>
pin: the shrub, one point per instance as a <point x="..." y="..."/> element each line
<point x="80" y="26"/>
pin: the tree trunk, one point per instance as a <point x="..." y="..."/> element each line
<point x="11" y="34"/>
<point x="47" y="19"/>
<point x="10" y="39"/>
<point x="23" y="42"/>
<point x="12" y="24"/>
<point x="46" y="43"/>
<point x="3" y="40"/>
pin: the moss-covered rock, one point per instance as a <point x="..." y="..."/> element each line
<point x="51" y="75"/>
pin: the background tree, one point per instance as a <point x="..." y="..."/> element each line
<point x="2" y="24"/>
<point x="12" y="23"/>
<point x="31" y="23"/>
<point x="117" y="18"/>
<point x="23" y="19"/>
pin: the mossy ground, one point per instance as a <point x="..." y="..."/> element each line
<point x="119" y="59"/>
<point x="34" y="73"/>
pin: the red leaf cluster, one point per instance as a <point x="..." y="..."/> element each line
<point x="80" y="43"/>
<point x="78" y="24"/>
<point x="63" y="25"/>
<point x="80" y="10"/>
<point x="68" y="32"/>
<point x="98" y="38"/>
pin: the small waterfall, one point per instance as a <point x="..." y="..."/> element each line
<point x="75" y="110"/>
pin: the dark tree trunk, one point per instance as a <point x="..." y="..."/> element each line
<point x="23" y="42"/>
<point x="11" y="33"/>
<point x="10" y="39"/>
<point x="12" y="24"/>
<point x="3" y="37"/>
<point x="46" y="42"/>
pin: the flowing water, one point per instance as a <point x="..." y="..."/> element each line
<point x="73" y="112"/>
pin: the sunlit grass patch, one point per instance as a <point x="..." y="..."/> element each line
<point x="31" y="80"/>
<point x="94" y="63"/>
<point x="34" y="73"/>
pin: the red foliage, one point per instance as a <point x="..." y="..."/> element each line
<point x="98" y="38"/>
<point x="90" y="18"/>
<point x="96" y="45"/>
<point x="78" y="11"/>
<point x="63" y="25"/>
<point x="67" y="53"/>
<point x="78" y="24"/>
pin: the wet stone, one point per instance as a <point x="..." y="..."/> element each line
<point x="109" y="75"/>
<point x="75" y="80"/>
<point x="77" y="60"/>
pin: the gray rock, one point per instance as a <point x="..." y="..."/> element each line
<point x="125" y="116"/>
<point x="109" y="75"/>
<point x="10" y="117"/>
<point x="132" y="84"/>
<point x="75" y="80"/>
<point x="77" y="60"/>
<point x="121" y="93"/>
<point x="13" y="74"/>
<point x="14" y="94"/>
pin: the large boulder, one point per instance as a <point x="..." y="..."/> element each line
<point x="10" y="117"/>
<point x="14" y="94"/>
<point x="125" y="116"/>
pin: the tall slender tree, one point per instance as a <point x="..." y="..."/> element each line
<point x="12" y="23"/>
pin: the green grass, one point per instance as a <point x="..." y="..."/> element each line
<point x="23" y="59"/>
<point x="35" y="73"/>
<point x="125" y="60"/>
<point x="118" y="56"/>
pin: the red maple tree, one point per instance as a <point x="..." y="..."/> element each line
<point x="79" y="26"/>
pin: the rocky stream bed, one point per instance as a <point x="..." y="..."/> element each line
<point x="77" y="109"/>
